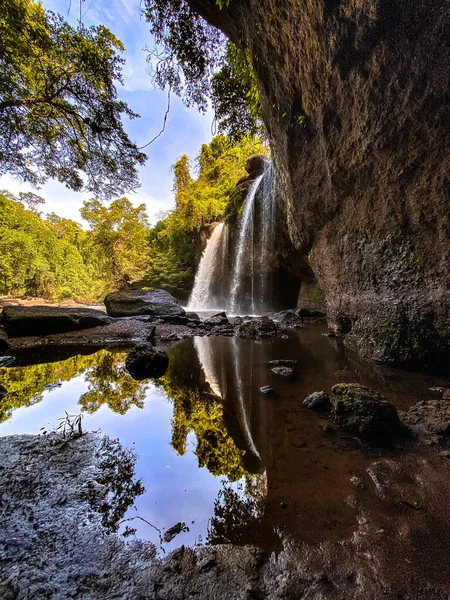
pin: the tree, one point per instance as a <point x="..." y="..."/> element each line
<point x="182" y="177"/>
<point x="59" y="112"/>
<point x="120" y="235"/>
<point x="196" y="62"/>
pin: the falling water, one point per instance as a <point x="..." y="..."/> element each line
<point x="267" y="233"/>
<point x="244" y="248"/>
<point x="240" y="283"/>
<point x="211" y="265"/>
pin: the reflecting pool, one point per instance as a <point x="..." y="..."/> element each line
<point x="213" y="453"/>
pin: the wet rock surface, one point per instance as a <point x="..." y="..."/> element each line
<point x="4" y="344"/>
<point x="130" y="302"/>
<point x="146" y="361"/>
<point x="283" y="371"/>
<point x="429" y="419"/>
<point x="318" y="401"/>
<point x="259" y="327"/>
<point x="20" y="321"/>
<point x="217" y="320"/>
<point x="363" y="412"/>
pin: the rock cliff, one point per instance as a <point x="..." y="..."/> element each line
<point x="355" y="99"/>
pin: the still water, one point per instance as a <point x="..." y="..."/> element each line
<point x="212" y="451"/>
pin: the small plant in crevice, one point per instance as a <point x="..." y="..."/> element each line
<point x="70" y="426"/>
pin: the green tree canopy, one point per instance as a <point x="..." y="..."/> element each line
<point x="119" y="231"/>
<point x="195" y="60"/>
<point x="59" y="112"/>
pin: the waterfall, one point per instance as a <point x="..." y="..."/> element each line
<point x="244" y="249"/>
<point x="239" y="281"/>
<point x="211" y="265"/>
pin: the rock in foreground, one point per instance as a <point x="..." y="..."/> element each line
<point x="429" y="417"/>
<point x="25" y="321"/>
<point x="261" y="327"/>
<point x="318" y="401"/>
<point x="129" y="303"/>
<point x="146" y="361"/>
<point x="362" y="412"/>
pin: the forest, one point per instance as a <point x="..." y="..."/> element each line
<point x="54" y="258"/>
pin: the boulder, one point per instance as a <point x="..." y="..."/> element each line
<point x="192" y="316"/>
<point x="364" y="413"/>
<point x="288" y="318"/>
<point x="21" y="321"/>
<point x="267" y="390"/>
<point x="4" y="344"/>
<point x="146" y="361"/>
<point x="218" y="320"/>
<point x="3" y="392"/>
<point x="129" y="303"/>
<point x="429" y="417"/>
<point x="283" y="371"/>
<point x="261" y="327"/>
<point x="318" y="401"/>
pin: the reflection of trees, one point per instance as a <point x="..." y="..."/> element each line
<point x="196" y="409"/>
<point x="117" y="474"/>
<point x="238" y="512"/>
<point x="26" y="385"/>
<point x="109" y="383"/>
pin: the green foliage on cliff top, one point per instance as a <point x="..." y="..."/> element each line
<point x="59" y="112"/>
<point x="199" y="202"/>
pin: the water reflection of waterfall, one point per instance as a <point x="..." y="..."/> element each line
<point x="228" y="371"/>
<point x="237" y="278"/>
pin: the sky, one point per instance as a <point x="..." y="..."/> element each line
<point x="186" y="129"/>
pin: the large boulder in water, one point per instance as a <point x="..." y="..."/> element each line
<point x="129" y="303"/>
<point x="362" y="412"/>
<point x="21" y="321"/>
<point x="260" y="327"/>
<point x="146" y="361"/>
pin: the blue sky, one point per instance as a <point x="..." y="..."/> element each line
<point x="185" y="131"/>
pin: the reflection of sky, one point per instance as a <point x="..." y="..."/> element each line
<point x="176" y="489"/>
<point x="185" y="132"/>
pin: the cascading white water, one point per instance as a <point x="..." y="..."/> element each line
<point x="244" y="247"/>
<point x="240" y="283"/>
<point x="267" y="223"/>
<point x="211" y="263"/>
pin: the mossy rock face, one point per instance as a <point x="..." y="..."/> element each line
<point x="364" y="413"/>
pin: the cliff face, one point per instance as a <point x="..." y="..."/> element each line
<point x="355" y="99"/>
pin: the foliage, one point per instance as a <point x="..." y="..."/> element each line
<point x="119" y="232"/>
<point x="55" y="258"/>
<point x="188" y="50"/>
<point x="195" y="61"/>
<point x="59" y="112"/>
<point x="176" y="238"/>
<point x="33" y="260"/>
<point x="235" y="96"/>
